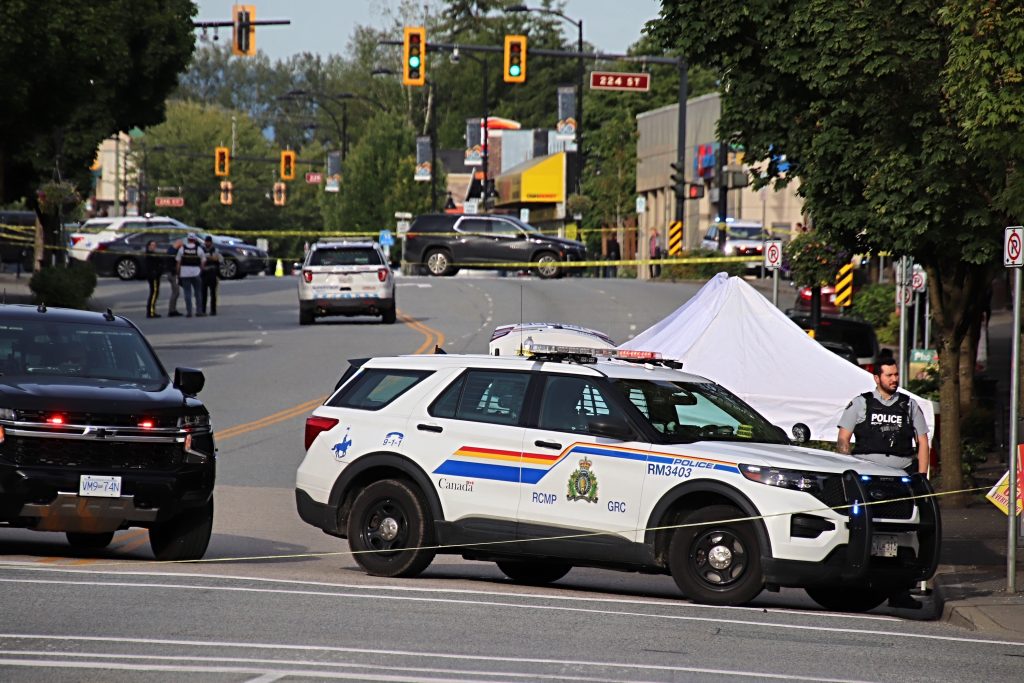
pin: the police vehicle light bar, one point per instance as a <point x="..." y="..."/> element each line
<point x="531" y="348"/>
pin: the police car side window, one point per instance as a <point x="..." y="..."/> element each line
<point x="484" y="396"/>
<point x="569" y="403"/>
<point x="375" y="388"/>
<point x="448" y="402"/>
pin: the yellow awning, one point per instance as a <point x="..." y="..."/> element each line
<point x="537" y="181"/>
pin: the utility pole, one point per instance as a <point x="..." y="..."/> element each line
<point x="684" y="87"/>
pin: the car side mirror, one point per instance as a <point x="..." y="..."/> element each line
<point x="189" y="380"/>
<point x="609" y="426"/>
<point x="801" y="433"/>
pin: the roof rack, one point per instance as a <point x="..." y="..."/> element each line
<point x="586" y="355"/>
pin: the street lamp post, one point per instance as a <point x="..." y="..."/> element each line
<point x="485" y="121"/>
<point x="579" y="82"/>
<point x="341" y="98"/>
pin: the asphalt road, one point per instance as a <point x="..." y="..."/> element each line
<point x="276" y="599"/>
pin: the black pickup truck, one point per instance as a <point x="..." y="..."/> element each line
<point x="96" y="437"/>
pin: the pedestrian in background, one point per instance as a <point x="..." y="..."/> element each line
<point x="211" y="270"/>
<point x="172" y="278"/>
<point x="614" y="254"/>
<point x="189" y="263"/>
<point x="655" y="253"/>
<point x="154" y="265"/>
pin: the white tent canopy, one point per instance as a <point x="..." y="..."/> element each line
<point x="730" y="333"/>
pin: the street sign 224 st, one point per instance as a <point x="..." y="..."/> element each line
<point x="613" y="80"/>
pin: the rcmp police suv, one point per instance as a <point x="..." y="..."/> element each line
<point x="346" y="278"/>
<point x="560" y="459"/>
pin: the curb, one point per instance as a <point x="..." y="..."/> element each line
<point x="953" y="606"/>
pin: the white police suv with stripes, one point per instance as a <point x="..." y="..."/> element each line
<point x="346" y="278"/>
<point x="602" y="458"/>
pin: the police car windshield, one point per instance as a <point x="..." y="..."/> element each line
<point x="684" y="412"/>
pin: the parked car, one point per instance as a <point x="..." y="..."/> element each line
<point x="96" y="231"/>
<point x="346" y="278"/>
<point x="444" y="243"/>
<point x="96" y="437"/>
<point x="843" y="350"/>
<point x="587" y="462"/>
<point x="123" y="257"/>
<point x="856" y="333"/>
<point x="742" y="238"/>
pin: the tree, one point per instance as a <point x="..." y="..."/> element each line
<point x="74" y="72"/>
<point x="863" y="101"/>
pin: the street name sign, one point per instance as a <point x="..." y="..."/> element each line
<point x="614" y="80"/>
<point x="314" y="177"/>
<point x="172" y="202"/>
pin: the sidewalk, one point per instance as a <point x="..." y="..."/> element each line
<point x="14" y="290"/>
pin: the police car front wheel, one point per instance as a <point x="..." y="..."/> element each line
<point x="714" y="560"/>
<point x="533" y="572"/>
<point x="390" y="530"/>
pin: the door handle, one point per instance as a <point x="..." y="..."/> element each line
<point x="430" y="428"/>
<point x="548" y="444"/>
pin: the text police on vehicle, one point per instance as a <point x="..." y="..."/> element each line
<point x="598" y="457"/>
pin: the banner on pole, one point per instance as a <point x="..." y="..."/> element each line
<point x="474" y="148"/>
<point x="423" y="169"/>
<point x="1000" y="493"/>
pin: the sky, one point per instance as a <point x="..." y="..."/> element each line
<point x="325" y="26"/>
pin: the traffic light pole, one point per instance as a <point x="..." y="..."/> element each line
<point x="684" y="87"/>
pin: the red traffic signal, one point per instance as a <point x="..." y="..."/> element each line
<point x="694" y="191"/>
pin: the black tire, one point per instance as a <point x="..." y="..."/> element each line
<point x="546" y="265"/>
<point x="717" y="564"/>
<point x="306" y="316"/>
<point x="439" y="263"/>
<point x="847" y="598"/>
<point x="83" y="541"/>
<point x="126" y="268"/>
<point x="390" y="529"/>
<point x="184" y="537"/>
<point x="533" y="572"/>
<point x="389" y="315"/>
<point x="228" y="269"/>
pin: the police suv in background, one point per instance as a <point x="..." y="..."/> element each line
<point x="346" y="278"/>
<point x="507" y="340"/>
<point x="562" y="459"/>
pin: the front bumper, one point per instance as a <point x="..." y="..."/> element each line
<point x="852" y="563"/>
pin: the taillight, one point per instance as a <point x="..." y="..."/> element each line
<point x="869" y="367"/>
<point x="102" y="246"/>
<point x="382" y="274"/>
<point x="75" y="240"/>
<point x="307" y="275"/>
<point x="315" y="425"/>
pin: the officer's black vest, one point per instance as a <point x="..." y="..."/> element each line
<point x="190" y="256"/>
<point x="885" y="429"/>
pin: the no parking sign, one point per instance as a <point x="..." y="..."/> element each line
<point x="773" y="254"/>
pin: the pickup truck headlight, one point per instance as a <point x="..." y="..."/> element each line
<point x="7" y="414"/>
<point x="197" y="421"/>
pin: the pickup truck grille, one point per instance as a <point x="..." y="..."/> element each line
<point x="883" y="494"/>
<point x="97" y="456"/>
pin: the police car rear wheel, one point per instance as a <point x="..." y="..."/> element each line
<point x="533" y="572"/>
<point x="717" y="562"/>
<point x="388" y="527"/>
<point x="846" y="598"/>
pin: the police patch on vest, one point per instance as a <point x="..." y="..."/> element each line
<point x="583" y="483"/>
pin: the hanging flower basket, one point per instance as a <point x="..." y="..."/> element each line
<point x="814" y="261"/>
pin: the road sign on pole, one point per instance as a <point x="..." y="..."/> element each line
<point x="641" y="204"/>
<point x="171" y="202"/>
<point x="919" y="279"/>
<point x="773" y="254"/>
<point x="613" y="80"/>
<point x="844" y="286"/>
<point x="314" y="177"/>
<point x="1013" y="257"/>
<point x="675" y="238"/>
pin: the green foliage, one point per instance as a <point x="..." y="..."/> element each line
<point x="889" y="332"/>
<point x="76" y="72"/>
<point x="63" y="287"/>
<point x="700" y="271"/>
<point x="813" y="260"/>
<point x="875" y="304"/>
<point x="927" y="386"/>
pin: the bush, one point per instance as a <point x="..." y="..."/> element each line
<point x="875" y="304"/>
<point x="889" y="333"/>
<point x="700" y="271"/>
<point x="64" y="287"/>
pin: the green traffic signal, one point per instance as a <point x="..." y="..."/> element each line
<point x="514" y="70"/>
<point x="414" y="62"/>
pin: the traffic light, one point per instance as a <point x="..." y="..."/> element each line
<point x="243" y="30"/>
<point x="515" y="59"/>
<point x="678" y="179"/>
<point x="695" y="191"/>
<point x="287" y="165"/>
<point x="280" y="194"/>
<point x="226" y="187"/>
<point x="414" y="52"/>
<point x="222" y="161"/>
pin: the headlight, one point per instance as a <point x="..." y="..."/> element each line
<point x="809" y="482"/>
<point x="196" y="421"/>
<point x="7" y="414"/>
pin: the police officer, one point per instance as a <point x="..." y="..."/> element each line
<point x="154" y="271"/>
<point x="190" y="261"/>
<point x="885" y="424"/>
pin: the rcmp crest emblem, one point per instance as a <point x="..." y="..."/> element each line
<point x="583" y="483"/>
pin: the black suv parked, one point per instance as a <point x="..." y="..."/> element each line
<point x="95" y="437"/>
<point x="444" y="243"/>
<point x="856" y="333"/>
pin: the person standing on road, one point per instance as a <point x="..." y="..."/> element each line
<point x="655" y="253"/>
<point x="885" y="424"/>
<point x="211" y="270"/>
<point x="172" y="278"/>
<point x="154" y="265"/>
<point x="189" y="264"/>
